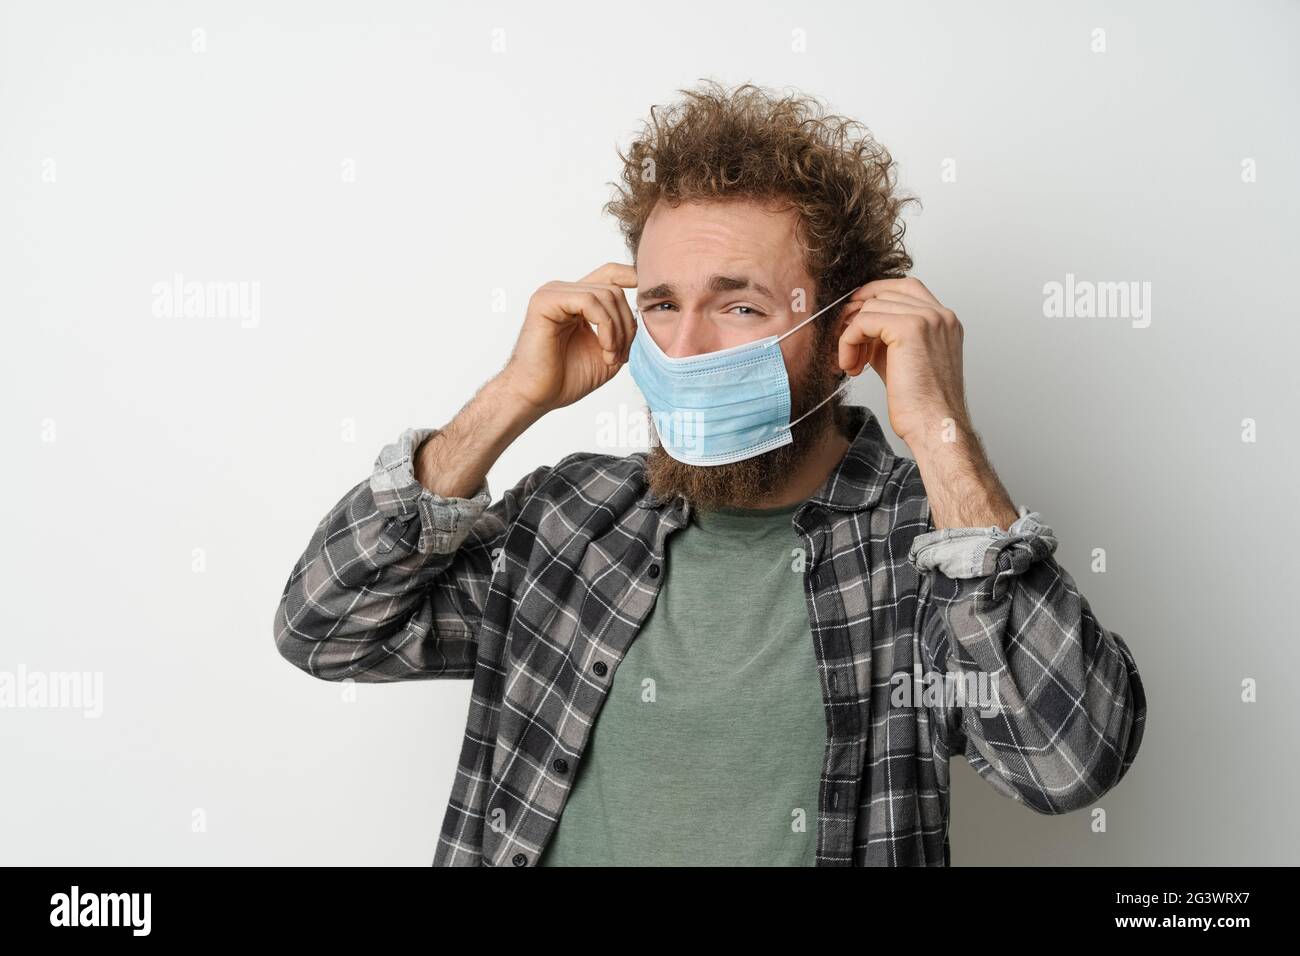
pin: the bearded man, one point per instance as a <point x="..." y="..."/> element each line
<point x="721" y="651"/>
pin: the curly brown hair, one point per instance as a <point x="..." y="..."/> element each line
<point x="749" y="143"/>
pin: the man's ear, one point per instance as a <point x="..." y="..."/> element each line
<point x="843" y="315"/>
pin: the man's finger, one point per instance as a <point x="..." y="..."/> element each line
<point x="908" y="286"/>
<point x="592" y="309"/>
<point x="612" y="273"/>
<point x="886" y="295"/>
<point x="877" y="321"/>
<point x="622" y="276"/>
<point x="625" y="324"/>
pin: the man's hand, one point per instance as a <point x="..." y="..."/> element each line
<point x="556" y="361"/>
<point x="558" y="357"/>
<point x="914" y="344"/>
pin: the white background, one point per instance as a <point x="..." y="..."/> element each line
<point x="478" y="171"/>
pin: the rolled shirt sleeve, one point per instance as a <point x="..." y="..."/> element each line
<point x="444" y="522"/>
<point x="1070" y="704"/>
<point x="973" y="552"/>
<point x="392" y="584"/>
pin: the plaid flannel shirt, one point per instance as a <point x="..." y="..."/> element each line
<point x="536" y="598"/>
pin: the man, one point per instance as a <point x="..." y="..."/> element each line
<point x="761" y="641"/>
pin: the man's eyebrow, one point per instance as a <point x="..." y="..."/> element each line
<point x="717" y="283"/>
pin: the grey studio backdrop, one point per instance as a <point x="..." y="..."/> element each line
<point x="385" y="184"/>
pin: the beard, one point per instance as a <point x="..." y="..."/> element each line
<point x="742" y="484"/>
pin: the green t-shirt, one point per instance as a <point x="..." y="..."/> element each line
<point x="708" y="750"/>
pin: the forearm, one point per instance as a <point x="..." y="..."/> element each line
<point x="963" y="489"/>
<point x="455" y="460"/>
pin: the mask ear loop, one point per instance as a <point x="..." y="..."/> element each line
<point x="843" y="387"/>
<point x="815" y="314"/>
<point x="839" y="389"/>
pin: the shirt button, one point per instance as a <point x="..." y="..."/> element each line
<point x="519" y="860"/>
<point x="561" y="765"/>
<point x="600" y="668"/>
<point x="653" y="571"/>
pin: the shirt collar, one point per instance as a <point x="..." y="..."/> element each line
<point x="856" y="483"/>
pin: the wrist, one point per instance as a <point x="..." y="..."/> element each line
<point x="509" y="407"/>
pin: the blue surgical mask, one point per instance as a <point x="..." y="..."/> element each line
<point x="719" y="407"/>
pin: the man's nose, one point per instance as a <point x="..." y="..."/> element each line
<point x="692" y="334"/>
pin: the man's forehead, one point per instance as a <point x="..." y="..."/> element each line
<point x="715" y="246"/>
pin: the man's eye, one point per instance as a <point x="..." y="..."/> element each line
<point x="752" y="310"/>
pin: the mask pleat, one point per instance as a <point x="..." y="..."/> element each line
<point x="733" y="406"/>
